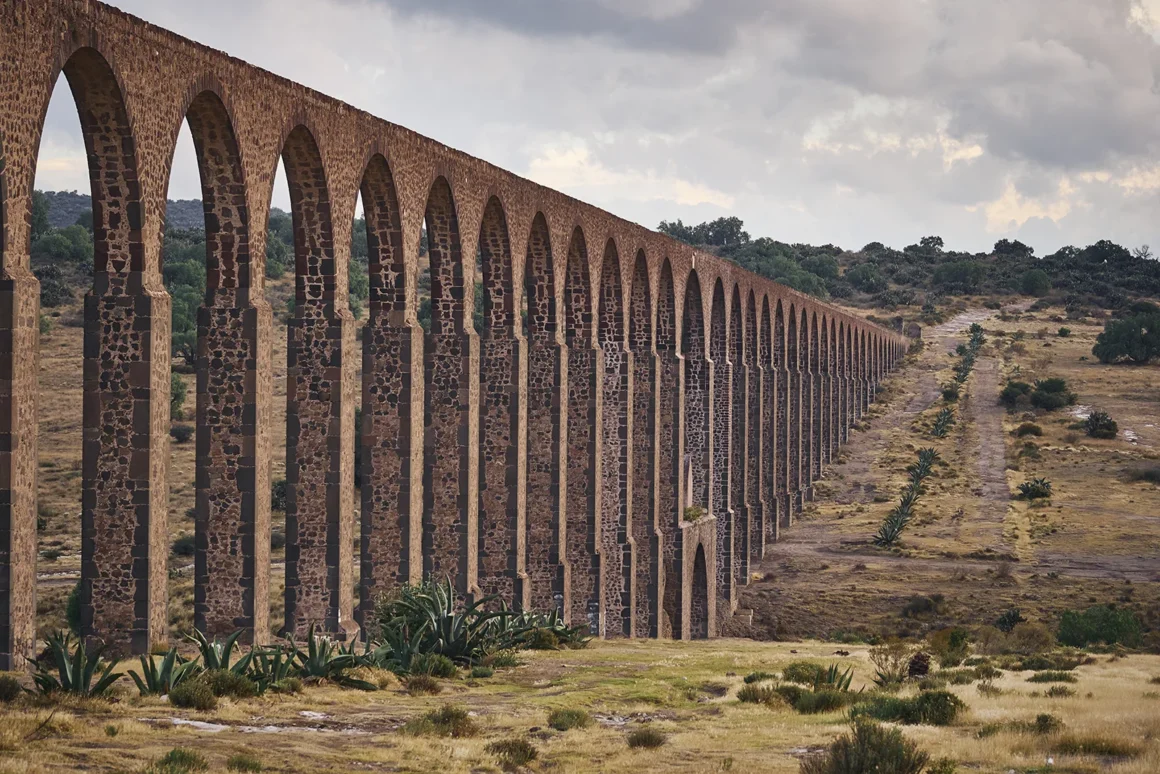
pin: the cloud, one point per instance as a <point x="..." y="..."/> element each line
<point x="814" y="120"/>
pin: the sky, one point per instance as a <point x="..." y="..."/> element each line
<point x="819" y="121"/>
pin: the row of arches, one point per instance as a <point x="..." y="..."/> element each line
<point x="543" y="460"/>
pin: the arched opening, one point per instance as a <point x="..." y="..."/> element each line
<point x="615" y="549"/>
<point x="781" y="366"/>
<point x="119" y="546"/>
<point x="752" y="458"/>
<point x="696" y="400"/>
<point x="669" y="416"/>
<point x="768" y="425"/>
<point x="815" y="400"/>
<point x="699" y="606"/>
<point x="383" y="465"/>
<point x="544" y="424"/>
<point x="445" y="449"/>
<point x="843" y="387"/>
<point x="722" y="442"/>
<point x="793" y="412"/>
<point x="581" y="508"/>
<point x="643" y="450"/>
<point x="500" y="543"/>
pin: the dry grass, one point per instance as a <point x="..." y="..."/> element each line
<point x="624" y="686"/>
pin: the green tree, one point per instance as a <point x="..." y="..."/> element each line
<point x="177" y="393"/>
<point x="1134" y="339"/>
<point x="40" y="225"/>
<point x="1035" y="282"/>
<point x="867" y="277"/>
<point x="960" y="276"/>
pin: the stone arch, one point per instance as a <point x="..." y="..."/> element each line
<point x="319" y="513"/>
<point x="581" y="508"/>
<point x="444" y="248"/>
<point x="615" y="526"/>
<point x="501" y="522"/>
<point x="646" y="547"/>
<point x="670" y="419"/>
<point x="721" y="413"/>
<point x="499" y="313"/>
<point x="545" y="425"/>
<point x="699" y="603"/>
<point x="385" y="537"/>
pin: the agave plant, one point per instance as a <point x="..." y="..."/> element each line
<point x="271" y="665"/>
<point x="943" y="423"/>
<point x="834" y="679"/>
<point x="74" y="669"/>
<point x="217" y="654"/>
<point x="323" y="659"/>
<point x="892" y="527"/>
<point x="423" y="619"/>
<point x="157" y="679"/>
<point x="1035" y="489"/>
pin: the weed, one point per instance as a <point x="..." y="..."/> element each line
<point x="193" y="694"/>
<point x="111" y="730"/>
<point x="804" y="672"/>
<point x="1093" y="744"/>
<point x="179" y="760"/>
<point x="1053" y="677"/>
<point x="1149" y="473"/>
<point x="10" y="689"/>
<point x="933" y="708"/>
<point x="566" y="719"/>
<point x="1059" y="692"/>
<point x="446" y="721"/>
<point x="868" y="747"/>
<point x="1028" y="428"/>
<point x="482" y="671"/>
<point x="949" y="646"/>
<point x="512" y="753"/>
<point x="647" y="738"/>
<point x="422" y="685"/>
<point x="757" y="694"/>
<point x="758" y="677"/>
<point x="243" y="762"/>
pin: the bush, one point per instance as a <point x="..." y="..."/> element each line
<point x="1015" y="394"/>
<point x="193" y="694"/>
<point x="10" y="689"/>
<point x="1051" y="394"/>
<point x="278" y="495"/>
<point x="868" y="747"/>
<point x="1092" y="744"/>
<point x="1028" y="428"/>
<point x="422" y="685"/>
<point x="1064" y="333"/>
<point x="481" y="671"/>
<point x="1100" y="425"/>
<point x="930" y="708"/>
<point x="891" y="662"/>
<point x="804" y="672"/>
<point x="1149" y="473"/>
<point x="1029" y="639"/>
<point x="1011" y="618"/>
<point x="226" y="683"/>
<point x="184" y="545"/>
<point x="825" y="700"/>
<point x="178" y="761"/>
<point x="177" y="393"/>
<point x="1133" y="340"/>
<point x="759" y="677"/>
<point x="243" y="762"/>
<point x="919" y="666"/>
<point x="918" y="606"/>
<point x="647" y="738"/>
<point x="445" y="721"/>
<point x="1053" y="677"/>
<point x="1100" y="624"/>
<point x="1059" y="692"/>
<point x="566" y="719"/>
<point x="757" y="694"/>
<point x="1035" y="282"/>
<point x="1035" y="489"/>
<point x="949" y="646"/>
<point x="951" y="392"/>
<point x="512" y="753"/>
<point x="435" y="665"/>
<point x="181" y="433"/>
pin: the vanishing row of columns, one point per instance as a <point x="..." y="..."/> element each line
<point x="620" y="457"/>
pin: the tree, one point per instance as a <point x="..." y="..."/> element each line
<point x="40" y="225"/>
<point x="1035" y="282"/>
<point x="867" y="277"/>
<point x="1143" y="253"/>
<point x="677" y="230"/>
<point x="1134" y="339"/>
<point x="960" y="276"/>
<point x="1013" y="249"/>
<point x="932" y="244"/>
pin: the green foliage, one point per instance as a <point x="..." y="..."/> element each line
<point x="1100" y="425"/>
<point x="1059" y="692"/>
<point x="757" y="694"/>
<point x="867" y="277"/>
<point x="278" y="491"/>
<point x="566" y="719"/>
<point x="951" y="391"/>
<point x="647" y="738"/>
<point x="482" y="672"/>
<point x="68" y="669"/>
<point x="1053" y="677"/>
<point x="1063" y="333"/>
<point x="942" y="423"/>
<point x="1035" y="282"/>
<point x="1015" y="393"/>
<point x="1009" y="620"/>
<point x="177" y="392"/>
<point x="892" y="661"/>
<point x="512" y="754"/>
<point x="824" y="700"/>
<point x="184" y="545"/>
<point x="194" y="694"/>
<point x="243" y="762"/>
<point x="1028" y="428"/>
<point x="1133" y="340"/>
<point x="181" y="433"/>
<point x="1051" y="394"/>
<point x="10" y="689"/>
<point x="1035" y="489"/>
<point x="227" y="684"/>
<point x="40" y="207"/>
<point x="1096" y="745"/>
<point x="804" y="672"/>
<point x="218" y="654"/>
<point x="178" y="761"/>
<point x="950" y="646"/>
<point x="868" y="749"/>
<point x="758" y="677"/>
<point x="434" y="664"/>
<point x="447" y="721"/>
<point x="897" y="520"/>
<point x="161" y="677"/>
<point x="1100" y="624"/>
<point x="963" y="277"/>
<point x="323" y="659"/>
<point x="422" y="685"/>
<point x="929" y="708"/>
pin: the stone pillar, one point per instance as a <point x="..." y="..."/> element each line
<point x="720" y="412"/>
<point x="615" y="531"/>
<point x="545" y="529"/>
<point x="753" y="460"/>
<point x="785" y="467"/>
<point x="794" y="442"/>
<point x="582" y="559"/>
<point x="670" y="490"/>
<point x="770" y="464"/>
<point x="647" y="537"/>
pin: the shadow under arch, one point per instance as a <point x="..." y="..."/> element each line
<point x="699" y="602"/>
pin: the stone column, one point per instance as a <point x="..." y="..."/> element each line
<point x="754" y="497"/>
<point x="545" y="529"/>
<point x="720" y="378"/>
<point x="769" y="457"/>
<point x="670" y="489"/>
<point x="616" y="539"/>
<point x="647" y="537"/>
<point x="582" y="598"/>
<point x="785" y="468"/>
<point x="795" y="443"/>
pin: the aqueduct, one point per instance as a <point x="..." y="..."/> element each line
<point x="623" y="456"/>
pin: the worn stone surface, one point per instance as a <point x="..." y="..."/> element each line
<point x="551" y="466"/>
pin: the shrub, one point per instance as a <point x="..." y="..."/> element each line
<point x="1028" y="428"/>
<point x="178" y="761"/>
<point x="758" y="677"/>
<point x="936" y="682"/>
<point x="445" y="721"/>
<point x="481" y="671"/>
<point x="287" y="685"/>
<point x="825" y="700"/>
<point x="1009" y="620"/>
<point x="757" y="694"/>
<point x="181" y="433"/>
<point x="931" y="708"/>
<point x="1053" y="677"/>
<point x="1100" y="425"/>
<point x="1029" y="639"/>
<point x="1064" y="333"/>
<point x="184" y="545"/>
<point x="1059" y="692"/>
<point x="543" y="639"/>
<point x="278" y="495"/>
<point x="243" y="762"/>
<point x="10" y="689"/>
<point x="1035" y="489"/>
<point x="193" y="694"/>
<point x="891" y="662"/>
<point x="73" y="670"/>
<point x="422" y="685"/>
<point x="512" y="753"/>
<point x="277" y="539"/>
<point x="804" y="672"/>
<point x="647" y="738"/>
<point x="950" y="392"/>
<point x="435" y="665"/>
<point x="566" y="719"/>
<point x="919" y="665"/>
<point x="226" y="683"/>
<point x="1035" y="282"/>
<point x="942" y="766"/>
<point x="918" y="606"/>
<point x="949" y="646"/>
<point x="1091" y="744"/>
<point x="1149" y="473"/>
<point x="1134" y="340"/>
<point x="1100" y="624"/>
<point x="1015" y="394"/>
<point x="868" y="747"/>
<point x="177" y="392"/>
<point x="1051" y="394"/>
